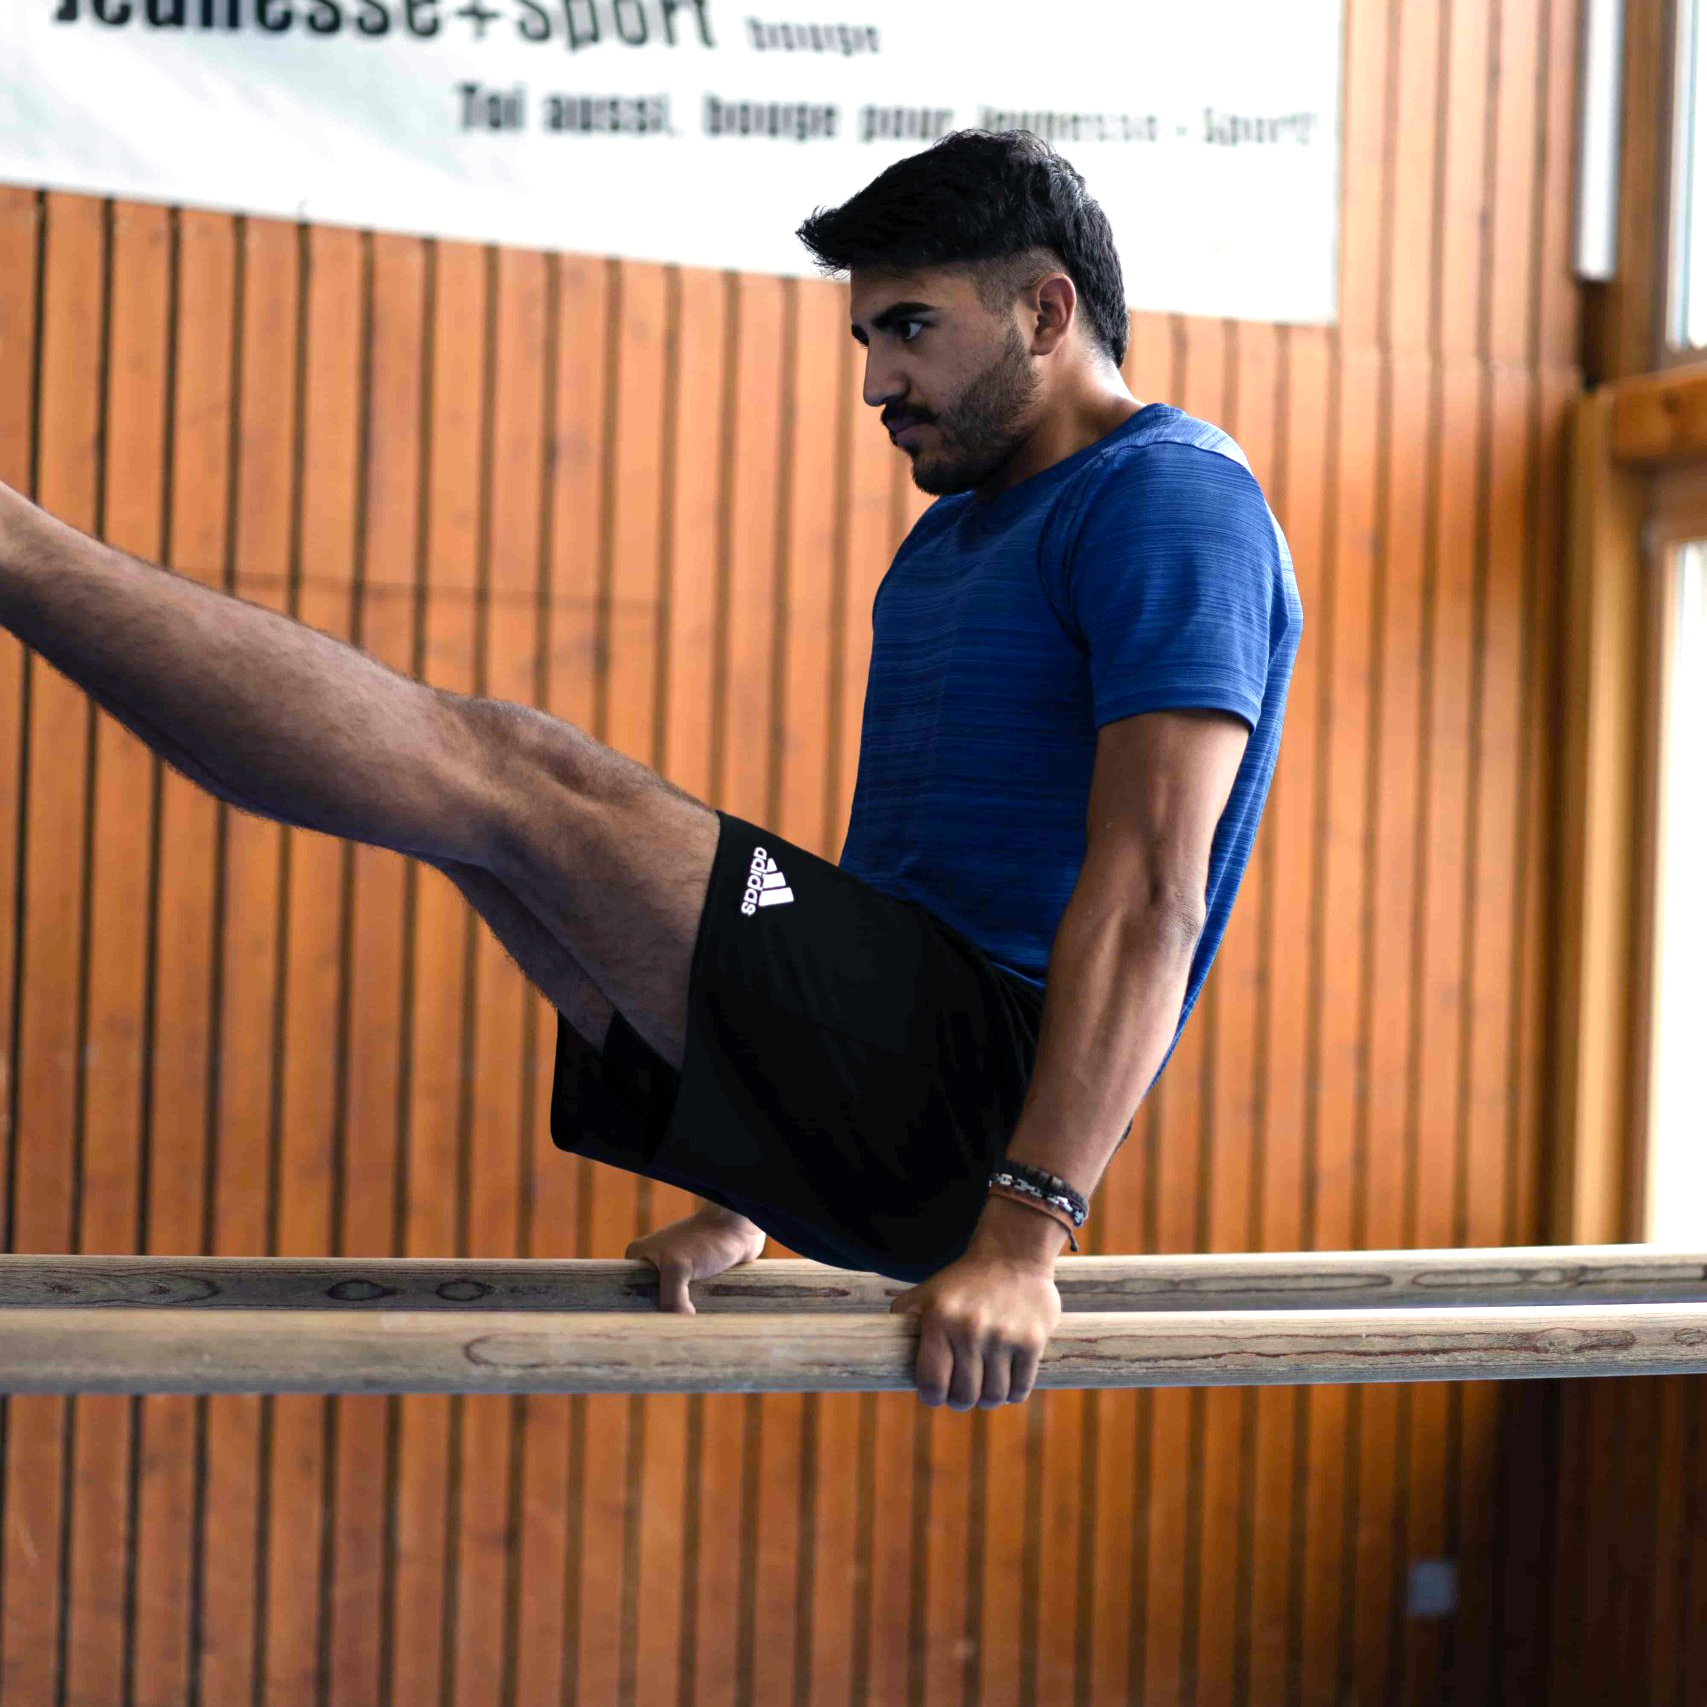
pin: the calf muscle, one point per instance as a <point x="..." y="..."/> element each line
<point x="548" y="965"/>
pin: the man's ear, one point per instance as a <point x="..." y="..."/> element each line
<point x="1054" y="303"/>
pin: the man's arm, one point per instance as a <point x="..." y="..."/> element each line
<point x="1111" y="1003"/>
<point x="1122" y="954"/>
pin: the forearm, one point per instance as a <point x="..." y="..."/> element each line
<point x="1111" y="1005"/>
<point x="263" y="710"/>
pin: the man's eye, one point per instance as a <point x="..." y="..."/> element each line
<point x="908" y="323"/>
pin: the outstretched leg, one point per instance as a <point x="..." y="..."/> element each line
<point x="298" y="725"/>
<point x="302" y="728"/>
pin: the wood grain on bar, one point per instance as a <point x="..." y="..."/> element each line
<point x="1532" y="1274"/>
<point x="420" y="1351"/>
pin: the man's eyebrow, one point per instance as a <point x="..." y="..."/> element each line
<point x="896" y="311"/>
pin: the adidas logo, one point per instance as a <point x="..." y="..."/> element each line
<point x="766" y="886"/>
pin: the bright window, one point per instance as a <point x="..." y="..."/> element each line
<point x="1688" y="315"/>
<point x="1677" y="1176"/>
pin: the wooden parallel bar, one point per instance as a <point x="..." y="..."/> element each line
<point x="421" y="1351"/>
<point x="1661" y="417"/>
<point x="1519" y="1275"/>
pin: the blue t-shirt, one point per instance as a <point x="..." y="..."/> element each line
<point x="1143" y="572"/>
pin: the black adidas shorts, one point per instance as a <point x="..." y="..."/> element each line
<point x="853" y="1069"/>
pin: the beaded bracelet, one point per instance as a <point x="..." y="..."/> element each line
<point x="1046" y="1189"/>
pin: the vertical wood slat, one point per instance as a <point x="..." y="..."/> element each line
<point x="555" y="1548"/>
<point x="675" y="1536"/>
<point x="21" y="227"/>
<point x="1233" y="1056"/>
<point x="1005" y="1551"/>
<point x="52" y="877"/>
<point x="387" y="510"/>
<point x="172" y="1613"/>
<point x="317" y="465"/>
<point x="120" y="882"/>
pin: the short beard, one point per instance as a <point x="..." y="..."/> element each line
<point x="986" y="421"/>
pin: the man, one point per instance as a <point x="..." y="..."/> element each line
<point x="921" y="1059"/>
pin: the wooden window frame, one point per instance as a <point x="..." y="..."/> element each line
<point x="1638" y="491"/>
<point x="1637" y="488"/>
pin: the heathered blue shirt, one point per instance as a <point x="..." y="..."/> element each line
<point x="1143" y="572"/>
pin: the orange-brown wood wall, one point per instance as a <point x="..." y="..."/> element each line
<point x="650" y="500"/>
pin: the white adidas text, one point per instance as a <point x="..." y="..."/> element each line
<point x="766" y="886"/>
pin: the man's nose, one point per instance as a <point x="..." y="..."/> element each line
<point x="881" y="390"/>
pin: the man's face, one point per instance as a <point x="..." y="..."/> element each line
<point x="936" y="357"/>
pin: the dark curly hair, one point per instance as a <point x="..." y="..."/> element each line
<point x="999" y="207"/>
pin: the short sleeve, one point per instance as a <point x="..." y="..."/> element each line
<point x="1170" y="567"/>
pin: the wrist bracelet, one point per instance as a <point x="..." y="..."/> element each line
<point x="1045" y="1189"/>
<point x="1058" y="1216"/>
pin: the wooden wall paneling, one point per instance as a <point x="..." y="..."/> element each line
<point x="1526" y="1524"/>
<point x="1441" y="981"/>
<point x="1690" y="1586"/>
<point x="254" y="532"/>
<point x="456" y="367"/>
<point x="22" y="224"/>
<point x="817" y="615"/>
<point x="50" y="1019"/>
<point x="505" y="1020"/>
<point x="876" y="1450"/>
<point x="1233" y="1047"/>
<point x="773" y="1454"/>
<point x="1338" y="1062"/>
<point x="837" y="1623"/>
<point x="1573" y="1586"/>
<point x="1629" y="1455"/>
<point x="1185" y="1145"/>
<point x="368" y="1178"/>
<point x="811" y="478"/>
<point x="757" y="465"/>
<point x="557" y="1548"/>
<point x="1431" y="1417"/>
<point x="1680" y="1579"/>
<point x="1437" y="215"/>
<point x="1604" y="1406"/>
<point x="631" y="575"/>
<point x="152" y="1570"/>
<point x="1115" y="1490"/>
<point x="317" y="471"/>
<point x="168" y="1637"/>
<point x="1341" y="612"/>
<point x="701" y="425"/>
<point x="1406" y="336"/>
<point x="752" y="461"/>
<point x="1665" y="1640"/>
<point x="1301" y="495"/>
<point x="1509" y="344"/>
<point x="669" y="1544"/>
<point x="100" y="1439"/>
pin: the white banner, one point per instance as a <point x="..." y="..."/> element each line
<point x="683" y="130"/>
